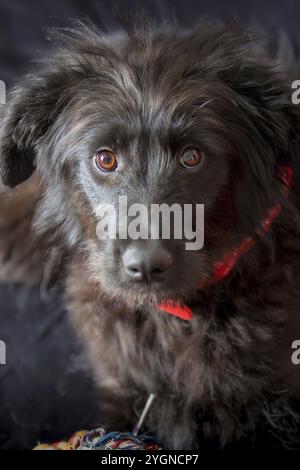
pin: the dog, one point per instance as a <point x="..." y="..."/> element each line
<point x="161" y="116"/>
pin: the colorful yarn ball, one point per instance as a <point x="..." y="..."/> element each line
<point x="98" y="439"/>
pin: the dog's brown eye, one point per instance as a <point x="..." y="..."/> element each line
<point x="106" y="160"/>
<point x="191" y="158"/>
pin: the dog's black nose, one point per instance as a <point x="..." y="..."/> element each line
<point x="146" y="262"/>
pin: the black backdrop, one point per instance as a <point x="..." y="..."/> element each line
<point x="46" y="390"/>
<point x="23" y="22"/>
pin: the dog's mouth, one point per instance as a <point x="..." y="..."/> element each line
<point x="180" y="289"/>
<point x="154" y="297"/>
<point x="156" y="292"/>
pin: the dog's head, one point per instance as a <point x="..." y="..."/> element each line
<point x="161" y="118"/>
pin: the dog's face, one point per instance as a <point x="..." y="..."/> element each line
<point x="161" y="120"/>
<point x="152" y="150"/>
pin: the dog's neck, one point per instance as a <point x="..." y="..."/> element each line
<point x="224" y="267"/>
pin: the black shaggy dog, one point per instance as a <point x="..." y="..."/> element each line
<point x="167" y="117"/>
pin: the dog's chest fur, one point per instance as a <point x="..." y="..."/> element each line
<point x="210" y="375"/>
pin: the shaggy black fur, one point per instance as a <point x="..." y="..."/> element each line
<point x="226" y="375"/>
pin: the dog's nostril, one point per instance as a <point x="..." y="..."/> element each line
<point x="135" y="274"/>
<point x="134" y="264"/>
<point x="146" y="262"/>
<point x="157" y="270"/>
<point x="159" y="263"/>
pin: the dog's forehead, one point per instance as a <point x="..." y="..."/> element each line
<point x="148" y="126"/>
<point x="145" y="112"/>
<point x="147" y="94"/>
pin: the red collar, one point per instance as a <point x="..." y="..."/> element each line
<point x="223" y="267"/>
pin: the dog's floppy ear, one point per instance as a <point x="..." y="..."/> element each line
<point x="34" y="106"/>
<point x="24" y="121"/>
<point x="36" y="103"/>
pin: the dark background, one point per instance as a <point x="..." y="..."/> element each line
<point x="23" y="22"/>
<point x="46" y="389"/>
